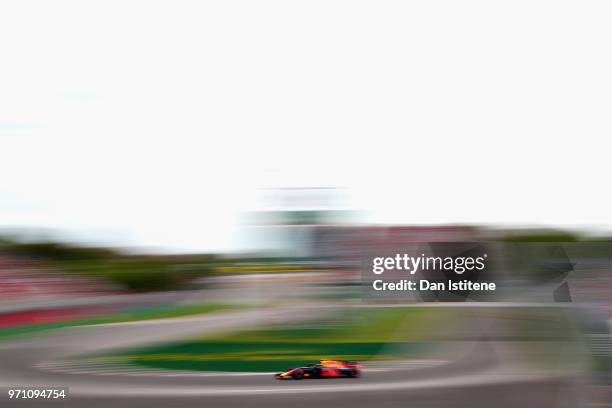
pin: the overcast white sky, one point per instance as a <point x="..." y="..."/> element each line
<point x="154" y="123"/>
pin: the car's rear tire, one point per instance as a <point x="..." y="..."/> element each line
<point x="297" y="374"/>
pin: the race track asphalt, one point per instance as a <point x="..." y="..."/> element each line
<point x="475" y="378"/>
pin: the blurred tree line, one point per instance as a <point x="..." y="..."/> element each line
<point x="133" y="272"/>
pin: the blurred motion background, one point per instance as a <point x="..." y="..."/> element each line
<point x="188" y="190"/>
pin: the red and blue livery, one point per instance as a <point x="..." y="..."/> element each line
<point x="324" y="369"/>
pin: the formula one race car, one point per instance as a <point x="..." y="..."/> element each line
<point x="325" y="368"/>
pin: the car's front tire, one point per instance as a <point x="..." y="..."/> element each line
<point x="354" y="373"/>
<point x="297" y="374"/>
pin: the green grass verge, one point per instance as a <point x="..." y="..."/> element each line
<point x="129" y="315"/>
<point x="357" y="334"/>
